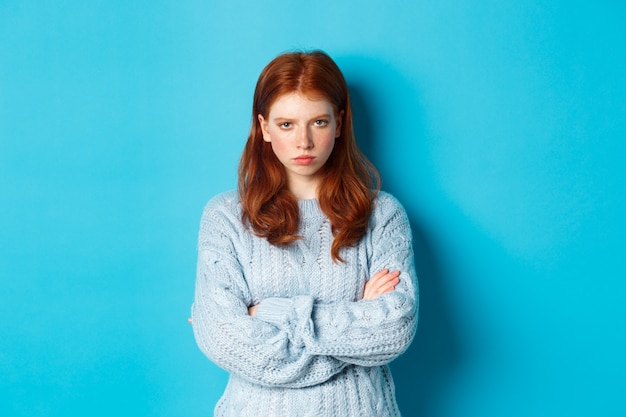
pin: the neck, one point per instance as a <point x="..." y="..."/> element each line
<point x="303" y="190"/>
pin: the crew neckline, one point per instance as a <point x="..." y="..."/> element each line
<point x="309" y="208"/>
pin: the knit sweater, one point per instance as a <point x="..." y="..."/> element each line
<point x="315" y="348"/>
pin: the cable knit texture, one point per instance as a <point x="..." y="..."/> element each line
<point x="315" y="348"/>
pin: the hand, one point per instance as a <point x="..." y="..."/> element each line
<point x="381" y="283"/>
<point x="252" y="310"/>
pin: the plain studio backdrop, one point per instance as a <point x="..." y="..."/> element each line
<point x="500" y="125"/>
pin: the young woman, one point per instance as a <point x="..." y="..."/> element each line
<point x="306" y="287"/>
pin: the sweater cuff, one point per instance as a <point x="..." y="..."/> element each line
<point x="274" y="310"/>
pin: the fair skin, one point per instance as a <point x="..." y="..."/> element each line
<point x="302" y="132"/>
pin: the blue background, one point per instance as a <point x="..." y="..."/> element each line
<point x="499" y="124"/>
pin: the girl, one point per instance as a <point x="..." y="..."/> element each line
<point x="306" y="287"/>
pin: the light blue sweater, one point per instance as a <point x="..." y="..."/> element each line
<point x="315" y="348"/>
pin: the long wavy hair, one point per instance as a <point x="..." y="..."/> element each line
<point x="349" y="182"/>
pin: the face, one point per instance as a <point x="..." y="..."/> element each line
<point x="302" y="132"/>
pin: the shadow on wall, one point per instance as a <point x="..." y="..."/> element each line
<point x="381" y="98"/>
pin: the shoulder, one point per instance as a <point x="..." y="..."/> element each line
<point x="226" y="202"/>
<point x="386" y="204"/>
<point x="221" y="221"/>
<point x="388" y="212"/>
<point x="223" y="208"/>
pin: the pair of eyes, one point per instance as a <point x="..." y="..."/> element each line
<point x="319" y="123"/>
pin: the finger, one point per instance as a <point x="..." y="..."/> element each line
<point x="381" y="283"/>
<point x="252" y="310"/>
<point x="388" y="287"/>
<point x="383" y="280"/>
<point x="368" y="289"/>
<point x="384" y="285"/>
<point x="379" y="274"/>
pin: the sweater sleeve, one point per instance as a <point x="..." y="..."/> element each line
<point x="253" y="349"/>
<point x="365" y="332"/>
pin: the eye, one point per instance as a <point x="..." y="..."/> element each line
<point x="321" y="122"/>
<point x="285" y="125"/>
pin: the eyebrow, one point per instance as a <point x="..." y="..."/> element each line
<point x="321" y="116"/>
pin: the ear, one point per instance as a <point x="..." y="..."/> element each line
<point x="263" y="123"/>
<point x="339" y="121"/>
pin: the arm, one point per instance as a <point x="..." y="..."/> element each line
<point x="250" y="348"/>
<point x="366" y="332"/>
<point x="381" y="283"/>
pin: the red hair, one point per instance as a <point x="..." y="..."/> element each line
<point x="349" y="181"/>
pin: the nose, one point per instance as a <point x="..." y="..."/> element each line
<point x="304" y="139"/>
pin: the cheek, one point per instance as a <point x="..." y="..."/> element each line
<point x="328" y="143"/>
<point x="279" y="146"/>
<point x="331" y="145"/>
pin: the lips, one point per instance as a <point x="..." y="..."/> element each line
<point x="304" y="159"/>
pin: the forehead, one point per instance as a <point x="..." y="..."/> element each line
<point x="299" y="105"/>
